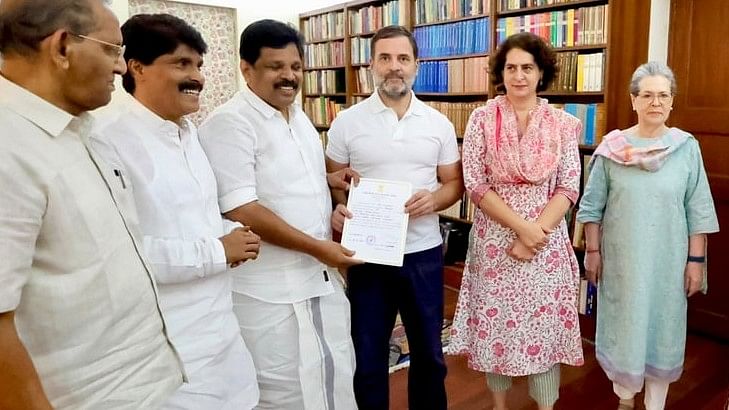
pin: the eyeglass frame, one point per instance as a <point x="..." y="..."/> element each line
<point x="119" y="49"/>
<point x="663" y="99"/>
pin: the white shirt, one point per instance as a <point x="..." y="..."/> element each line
<point x="175" y="193"/>
<point x="258" y="156"/>
<point x="84" y="301"/>
<point x="369" y="137"/>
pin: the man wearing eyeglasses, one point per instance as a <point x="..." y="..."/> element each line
<point x="80" y="327"/>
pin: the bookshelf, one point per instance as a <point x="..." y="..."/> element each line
<point x="582" y="32"/>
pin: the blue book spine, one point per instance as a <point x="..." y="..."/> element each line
<point x="590" y="124"/>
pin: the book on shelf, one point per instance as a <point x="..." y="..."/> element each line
<point x="453" y="39"/>
<point x="360" y="50"/>
<point x="324" y="54"/>
<point x="365" y="84"/>
<point x="432" y="11"/>
<point x="324" y="82"/>
<point x="587" y="298"/>
<point x="563" y="28"/>
<point x="593" y="118"/>
<point x="466" y="75"/>
<point x="579" y="72"/>
<point x="322" y="110"/>
<point x="372" y="18"/>
<point x="457" y="112"/>
<point x="324" y="26"/>
<point x="324" y="138"/>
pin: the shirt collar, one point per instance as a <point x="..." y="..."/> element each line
<point x="152" y="120"/>
<point x="265" y="109"/>
<point x="376" y="105"/>
<point x="40" y="112"/>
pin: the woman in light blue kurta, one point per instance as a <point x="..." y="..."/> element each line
<point x="647" y="209"/>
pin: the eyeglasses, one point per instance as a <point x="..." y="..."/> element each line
<point x="114" y="50"/>
<point x="648" y="98"/>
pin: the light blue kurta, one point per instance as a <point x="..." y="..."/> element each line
<point x="646" y="220"/>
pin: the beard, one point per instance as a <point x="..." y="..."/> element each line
<point x="393" y="85"/>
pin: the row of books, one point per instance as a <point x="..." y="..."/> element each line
<point x="505" y="5"/>
<point x="564" y="28"/>
<point x="324" y="82"/>
<point x="324" y="138"/>
<point x="324" y="54"/>
<point x="593" y="118"/>
<point x="322" y="110"/>
<point x="372" y="18"/>
<point x="579" y="72"/>
<point x="360" y="49"/>
<point x="324" y="26"/>
<point x="454" y="39"/>
<point x="365" y="83"/>
<point x="465" y="75"/>
<point x="457" y="112"/>
<point x="432" y="11"/>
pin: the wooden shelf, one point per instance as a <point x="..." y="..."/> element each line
<point x="455" y="57"/>
<point x="324" y="10"/>
<point x="325" y="40"/>
<point x="367" y="34"/>
<point x="551" y="7"/>
<point x="329" y="67"/>
<point x="587" y="148"/>
<point x="324" y="94"/>
<point x="321" y="127"/>
<point x="436" y="23"/>
<point x="587" y="47"/>
<point x="484" y="94"/>
<point x="571" y="94"/>
<point x="357" y="65"/>
<point x="361" y="94"/>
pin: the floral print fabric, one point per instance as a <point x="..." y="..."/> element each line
<point x="517" y="318"/>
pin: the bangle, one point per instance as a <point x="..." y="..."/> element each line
<point x="697" y="259"/>
<point x="592" y="250"/>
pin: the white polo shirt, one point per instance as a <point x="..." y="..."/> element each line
<point x="257" y="155"/>
<point x="369" y="137"/>
<point x="85" y="303"/>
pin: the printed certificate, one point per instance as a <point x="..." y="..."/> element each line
<point x="378" y="227"/>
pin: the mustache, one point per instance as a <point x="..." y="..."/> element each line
<point x="190" y="85"/>
<point x="287" y="83"/>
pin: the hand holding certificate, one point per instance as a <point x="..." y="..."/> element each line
<point x="378" y="227"/>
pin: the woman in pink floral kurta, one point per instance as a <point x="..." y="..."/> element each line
<point x="517" y="309"/>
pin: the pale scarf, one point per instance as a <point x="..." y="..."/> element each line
<point x="531" y="158"/>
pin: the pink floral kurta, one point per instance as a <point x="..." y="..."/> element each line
<point x="518" y="318"/>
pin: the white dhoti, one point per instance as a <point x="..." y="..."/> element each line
<point x="225" y="383"/>
<point x="302" y="351"/>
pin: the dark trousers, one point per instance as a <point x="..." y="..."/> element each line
<point x="376" y="293"/>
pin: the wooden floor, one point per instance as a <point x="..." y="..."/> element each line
<point x="704" y="384"/>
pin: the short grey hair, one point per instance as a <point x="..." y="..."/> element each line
<point x="652" y="69"/>
<point x="24" y="24"/>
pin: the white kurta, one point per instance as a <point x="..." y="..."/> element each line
<point x="176" y="198"/>
<point x="293" y="315"/>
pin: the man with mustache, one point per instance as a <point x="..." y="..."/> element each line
<point x="392" y="135"/>
<point x="155" y="153"/>
<point x="270" y="168"/>
<point x="80" y="327"/>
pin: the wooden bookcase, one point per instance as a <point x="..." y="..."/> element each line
<point x="616" y="68"/>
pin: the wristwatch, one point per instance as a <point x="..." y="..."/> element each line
<point x="697" y="259"/>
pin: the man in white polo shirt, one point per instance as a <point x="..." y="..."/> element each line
<point x="271" y="176"/>
<point x="392" y="135"/>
